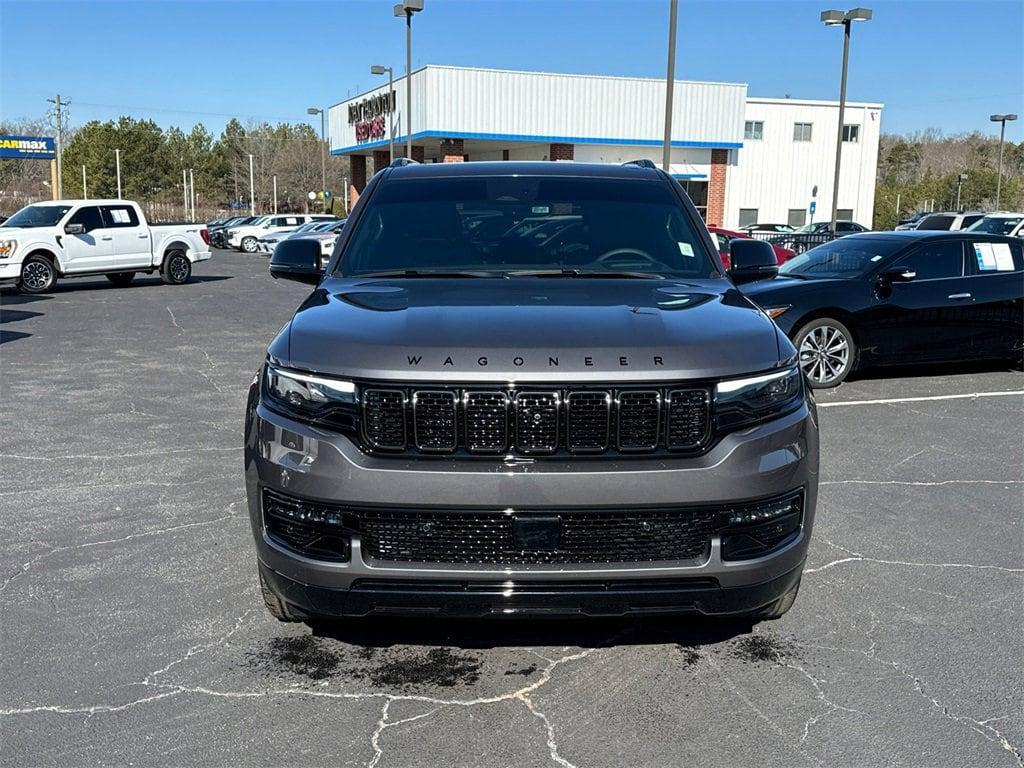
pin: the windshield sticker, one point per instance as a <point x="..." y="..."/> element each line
<point x="686" y="249"/>
<point x="1004" y="259"/>
<point x="540" y="209"/>
<point x="876" y="258"/>
<point x="986" y="257"/>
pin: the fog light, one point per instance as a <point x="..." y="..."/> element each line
<point x="758" y="529"/>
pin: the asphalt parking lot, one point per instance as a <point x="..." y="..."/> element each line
<point x="133" y="631"/>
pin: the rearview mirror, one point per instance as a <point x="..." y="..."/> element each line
<point x="297" y="260"/>
<point x="74" y="229"/>
<point x="751" y="260"/>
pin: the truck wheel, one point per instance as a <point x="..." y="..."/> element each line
<point x="249" y="244"/>
<point x="827" y="352"/>
<point x="121" y="279"/>
<point x="37" y="275"/>
<point x="777" y="609"/>
<point x="176" y="269"/>
<point x="274" y="604"/>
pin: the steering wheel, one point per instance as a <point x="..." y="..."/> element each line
<point x="636" y="253"/>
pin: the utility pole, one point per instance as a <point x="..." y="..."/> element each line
<point x="252" y="192"/>
<point x="275" y="193"/>
<point x="57" y="104"/>
<point x="192" y="186"/>
<point x="85" y="189"/>
<point x="117" y="158"/>
<point x="666" y="147"/>
<point x="184" y="189"/>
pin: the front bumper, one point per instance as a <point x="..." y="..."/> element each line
<point x="293" y="458"/>
<point x="10" y="270"/>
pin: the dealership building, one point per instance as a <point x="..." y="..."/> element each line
<point x="742" y="159"/>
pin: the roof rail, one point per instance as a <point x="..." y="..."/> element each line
<point x="398" y="162"/>
<point x="643" y="163"/>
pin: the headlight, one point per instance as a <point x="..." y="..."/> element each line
<point x="7" y="248"/>
<point x="747" y="401"/>
<point x="310" y="397"/>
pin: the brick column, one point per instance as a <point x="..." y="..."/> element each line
<point x="417" y="153"/>
<point x="716" y="187"/>
<point x="380" y="159"/>
<point x="452" y="151"/>
<point x="561" y="151"/>
<point x="358" y="180"/>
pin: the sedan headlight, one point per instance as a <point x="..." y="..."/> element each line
<point x="7" y="248"/>
<point x="310" y="397"/>
<point x="748" y="401"/>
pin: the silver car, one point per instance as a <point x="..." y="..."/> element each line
<point x="467" y="417"/>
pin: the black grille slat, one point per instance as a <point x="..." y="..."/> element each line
<point x="486" y="415"/>
<point x="588" y="421"/>
<point x="688" y="418"/>
<point x="537" y="422"/>
<point x="486" y="537"/>
<point x="639" y="420"/>
<point x="384" y="418"/>
<point x="434" y="420"/>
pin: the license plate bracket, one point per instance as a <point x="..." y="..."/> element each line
<point x="537" y="532"/>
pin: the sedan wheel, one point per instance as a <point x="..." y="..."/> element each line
<point x="249" y="244"/>
<point x="826" y="352"/>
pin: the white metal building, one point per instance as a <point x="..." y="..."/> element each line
<point x="742" y="159"/>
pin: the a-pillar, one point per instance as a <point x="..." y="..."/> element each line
<point x="381" y="159"/>
<point x="452" y="151"/>
<point x="561" y="151"/>
<point x="358" y="180"/>
<point x="716" y="187"/>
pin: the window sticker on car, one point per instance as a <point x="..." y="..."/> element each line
<point x="993" y="257"/>
<point x="686" y="249"/>
<point x="876" y="258"/>
<point x="1004" y="258"/>
<point x="540" y="209"/>
<point x="119" y="215"/>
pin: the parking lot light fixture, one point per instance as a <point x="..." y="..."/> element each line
<point x="407" y="8"/>
<point x="1002" y="119"/>
<point x="379" y="69"/>
<point x="323" y="153"/>
<point x="845" y="19"/>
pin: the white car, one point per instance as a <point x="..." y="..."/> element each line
<point x="1002" y="223"/>
<point x="266" y="243"/>
<point x="327" y="238"/>
<point x="245" y="238"/>
<point x="74" y="238"/>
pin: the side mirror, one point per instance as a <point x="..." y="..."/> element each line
<point x="890" y="276"/>
<point x="74" y="229"/>
<point x="297" y="260"/>
<point x="751" y="260"/>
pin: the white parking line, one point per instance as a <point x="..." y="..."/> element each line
<point x="888" y="400"/>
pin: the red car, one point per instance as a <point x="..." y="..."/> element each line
<point x="725" y="236"/>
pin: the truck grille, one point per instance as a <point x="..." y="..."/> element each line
<point x="487" y="537"/>
<point x="536" y="422"/>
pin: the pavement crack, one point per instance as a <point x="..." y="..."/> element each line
<point x="858" y="557"/>
<point x="922" y="483"/>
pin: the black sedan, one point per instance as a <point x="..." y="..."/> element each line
<point x="886" y="298"/>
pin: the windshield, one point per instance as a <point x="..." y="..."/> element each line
<point x="38" y="216"/>
<point x="502" y="224"/>
<point x="846" y="257"/>
<point x="996" y="225"/>
<point x="812" y="227"/>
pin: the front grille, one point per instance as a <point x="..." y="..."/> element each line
<point x="486" y="537"/>
<point x="535" y="422"/>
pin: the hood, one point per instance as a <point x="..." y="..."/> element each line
<point x="783" y="288"/>
<point x="24" y="233"/>
<point x="528" y="329"/>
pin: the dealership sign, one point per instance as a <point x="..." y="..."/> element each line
<point x="28" y="147"/>
<point x="367" y="116"/>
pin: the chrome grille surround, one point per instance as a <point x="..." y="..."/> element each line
<point x="384" y="418"/>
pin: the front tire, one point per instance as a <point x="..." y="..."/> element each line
<point x="827" y="352"/>
<point x="249" y="244"/>
<point x="121" y="279"/>
<point x="38" y="275"/>
<point x="176" y="269"/>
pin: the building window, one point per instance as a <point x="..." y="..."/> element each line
<point x="797" y="217"/>
<point x="697" y="191"/>
<point x="802" y="131"/>
<point x="844" y="214"/>
<point x="748" y="217"/>
<point x="753" y="130"/>
<point x="851" y="133"/>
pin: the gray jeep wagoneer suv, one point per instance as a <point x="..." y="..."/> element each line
<point x="528" y="388"/>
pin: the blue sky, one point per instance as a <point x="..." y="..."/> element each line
<point x="945" y="65"/>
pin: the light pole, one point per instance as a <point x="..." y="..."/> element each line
<point x="1002" y="133"/>
<point x="834" y="19"/>
<point x="192" y="192"/>
<point x="323" y="154"/>
<point x="378" y="69"/>
<point x="959" y="183"/>
<point x="85" y="189"/>
<point x="407" y="8"/>
<point x="252" y="190"/>
<point x="666" y="147"/>
<point x="117" y="158"/>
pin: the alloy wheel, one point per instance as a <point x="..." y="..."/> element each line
<point x="178" y="269"/>
<point x="824" y="354"/>
<point x="37" y="275"/>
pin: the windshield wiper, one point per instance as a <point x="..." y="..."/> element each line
<point x="443" y="273"/>
<point x="587" y="273"/>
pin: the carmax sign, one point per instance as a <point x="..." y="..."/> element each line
<point x="28" y="147"/>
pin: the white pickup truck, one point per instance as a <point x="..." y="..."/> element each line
<point x="75" y="238"/>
